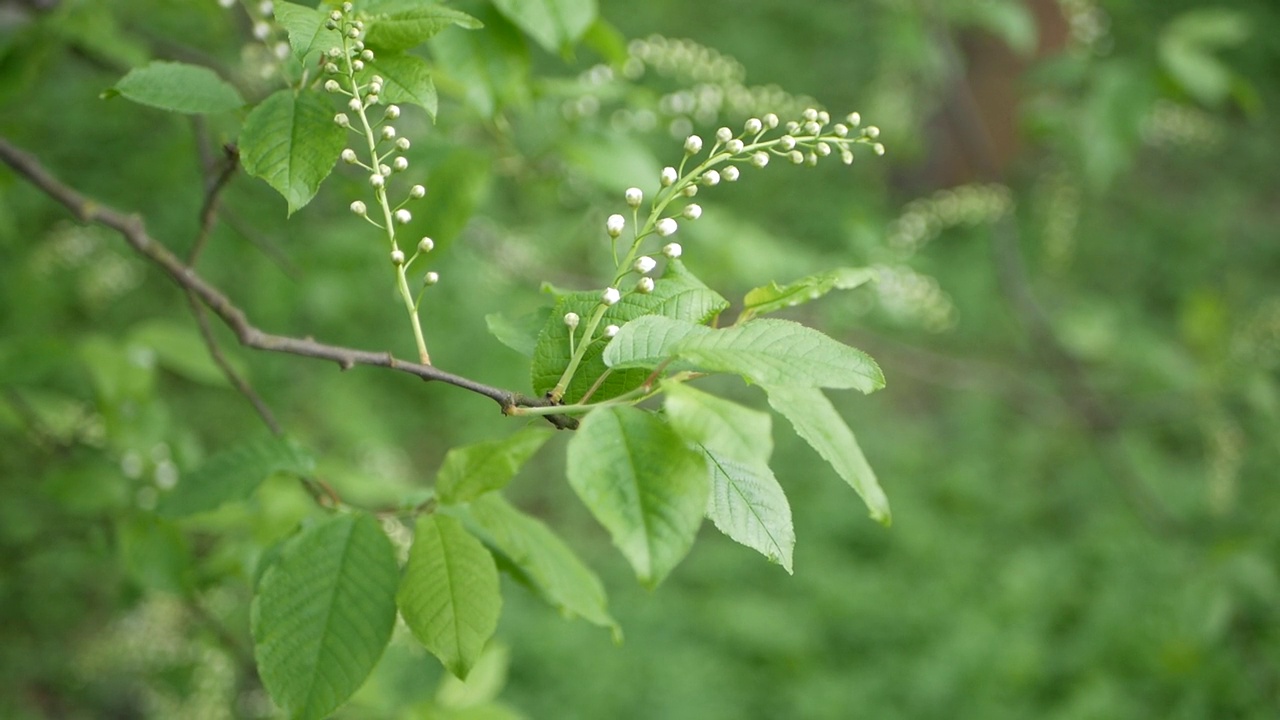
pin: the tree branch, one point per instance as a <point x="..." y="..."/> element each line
<point x="132" y="228"/>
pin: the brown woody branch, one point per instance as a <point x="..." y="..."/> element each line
<point x="133" y="229"/>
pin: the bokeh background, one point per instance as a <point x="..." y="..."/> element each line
<point x="1078" y="316"/>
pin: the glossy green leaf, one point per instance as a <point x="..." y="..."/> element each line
<point x="449" y="596"/>
<point x="233" y="474"/>
<point x="720" y="424"/>
<point x="638" y="478"/>
<point x="678" y="295"/>
<point x="554" y="24"/>
<point x="409" y="25"/>
<point x="178" y="87"/>
<point x="774" y="297"/>
<point x="406" y="79"/>
<point x="291" y="141"/>
<point x="648" y="340"/>
<point x="749" y="506"/>
<point x="472" y="470"/>
<point x="323" y="614"/>
<point x="308" y="35"/>
<point x="781" y="352"/>
<point x="551" y="567"/>
<point x="520" y="333"/>
<point x="816" y="420"/>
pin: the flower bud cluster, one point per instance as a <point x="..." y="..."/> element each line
<point x="923" y="220"/>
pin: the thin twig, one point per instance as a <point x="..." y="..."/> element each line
<point x="132" y="228"/>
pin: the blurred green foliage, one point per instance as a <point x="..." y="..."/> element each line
<point x="1043" y="563"/>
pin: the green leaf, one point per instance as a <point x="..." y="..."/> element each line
<point x="291" y="141"/>
<point x="774" y="297"/>
<point x="678" y="294"/>
<point x="642" y="483"/>
<point x="554" y="24"/>
<point x="781" y="352"/>
<point x="747" y="503"/>
<point x="324" y="613"/>
<point x="406" y="79"/>
<point x="155" y="554"/>
<point x="553" y="569"/>
<point x="816" y="420"/>
<point x="308" y="35"/>
<point x="489" y="70"/>
<point x="178" y="87"/>
<point x="472" y="470"/>
<point x="648" y="340"/>
<point x="519" y="334"/>
<point x="449" y="595"/>
<point x="180" y="349"/>
<point x="409" y="27"/>
<point x="233" y="474"/>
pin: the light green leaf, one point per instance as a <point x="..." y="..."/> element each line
<point x="180" y="349"/>
<point x="178" y="87"/>
<point x="774" y="297"/>
<point x="472" y="470"/>
<point x="323" y="614"/>
<point x="519" y="334"/>
<point x="722" y="425"/>
<point x="308" y="35"/>
<point x="678" y="294"/>
<point x="554" y="24"/>
<point x="233" y="474"/>
<point x="291" y="141"/>
<point x="410" y="26"/>
<point x="816" y="420"/>
<point x="489" y="70"/>
<point x="648" y="340"/>
<point x="642" y="483"/>
<point x="749" y="506"/>
<point x="406" y="79"/>
<point x="449" y="596"/>
<point x="550" y="566"/>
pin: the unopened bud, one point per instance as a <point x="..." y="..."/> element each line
<point x="693" y="211"/>
<point x="403" y="216"/>
<point x="397" y="257"/>
<point x="610" y="296"/>
<point x="667" y="227"/>
<point x="611" y="331"/>
<point x="614" y="225"/>
<point x="672" y="250"/>
<point x="571" y="319"/>
<point x="693" y="145"/>
<point x="417" y="191"/>
<point x="644" y="264"/>
<point x="669" y="176"/>
<point x="426" y="245"/>
<point x="634" y="197"/>
<point x="644" y="285"/>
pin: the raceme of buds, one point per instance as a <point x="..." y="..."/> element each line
<point x="634" y="197"/>
<point x="572" y="319"/>
<point x="672" y="250"/>
<point x="644" y="285"/>
<point x="614" y="225"/>
<point x="666" y="227"/>
<point x="610" y="296"/>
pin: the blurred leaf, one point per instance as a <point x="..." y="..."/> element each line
<point x="639" y="480"/>
<point x="519" y="334"/>
<point x="457" y="184"/>
<point x="404" y="25"/>
<point x="180" y="349"/>
<point x="606" y="41"/>
<point x="555" y="24"/>
<point x="470" y="471"/>
<point x="324" y="613"/>
<point x="614" y="161"/>
<point x="678" y="294"/>
<point x="406" y="79"/>
<point x="772" y="297"/>
<point x="489" y="69"/>
<point x="1187" y="47"/>
<point x="449" y="596"/>
<point x="1010" y="20"/>
<point x="562" y="579"/>
<point x="482" y="685"/>
<point x="119" y="373"/>
<point x="816" y="420"/>
<point x="308" y="35"/>
<point x="291" y="141"/>
<point x="233" y="474"/>
<point x="155" y="554"/>
<point x="178" y="87"/>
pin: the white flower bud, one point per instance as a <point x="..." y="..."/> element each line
<point x="611" y="331"/>
<point x="388" y="132"/>
<point x="770" y="120"/>
<point x="334" y="52"/>
<point x="711" y="178"/>
<point x="366" y="55"/>
<point x="377" y="80"/>
<point x="354" y="33"/>
<point x="786" y="142"/>
<point x="346" y="7"/>
<point x="872" y="132"/>
<point x="400" y="164"/>
<point x="403" y="216"/>
<point x="760" y="159"/>
<point x="878" y="149"/>
<point x="854" y="119"/>
<point x="753" y="126"/>
<point x="417" y="191"/>
<point x="840" y="129"/>
<point x="349" y="156"/>
<point x="261" y="30"/>
<point x="669" y="176"/>
<point x="724" y="135"/>
<point x="571" y="319"/>
<point x="431" y="278"/>
<point x="385" y="169"/>
<point x="357" y="65"/>
<point x="375" y="88"/>
<point x="823" y="149"/>
<point x="334" y="16"/>
<point x="693" y="211"/>
<point x="377" y="180"/>
<point x="644" y="285"/>
<point x="397" y="257"/>
<point x="402" y="143"/>
<point x="426" y="245"/>
<point x="342" y="120"/>
<point x="689" y="190"/>
<point x="392" y="111"/>
<point x="693" y="145"/>
<point x="812" y="128"/>
<point x="358" y="208"/>
<point x="730" y="173"/>
<point x="672" y="250"/>
<point x="610" y="296"/>
<point x="331" y="68"/>
<point x="614" y="225"/>
<point x="797" y="157"/>
<point x="811" y="158"/>
<point x="634" y="197"/>
<point x="332" y="85"/>
<point x="734" y="146"/>
<point x="354" y="104"/>
<point x="644" y="264"/>
<point x="846" y="156"/>
<point x="666" y="227"/>
<point x="824" y="117"/>
<point x="809" y="114"/>
<point x="793" y="127"/>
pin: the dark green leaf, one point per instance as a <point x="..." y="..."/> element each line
<point x="406" y="79"/>
<point x="291" y="141"/>
<point x="472" y="470"/>
<point x="178" y="87"/>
